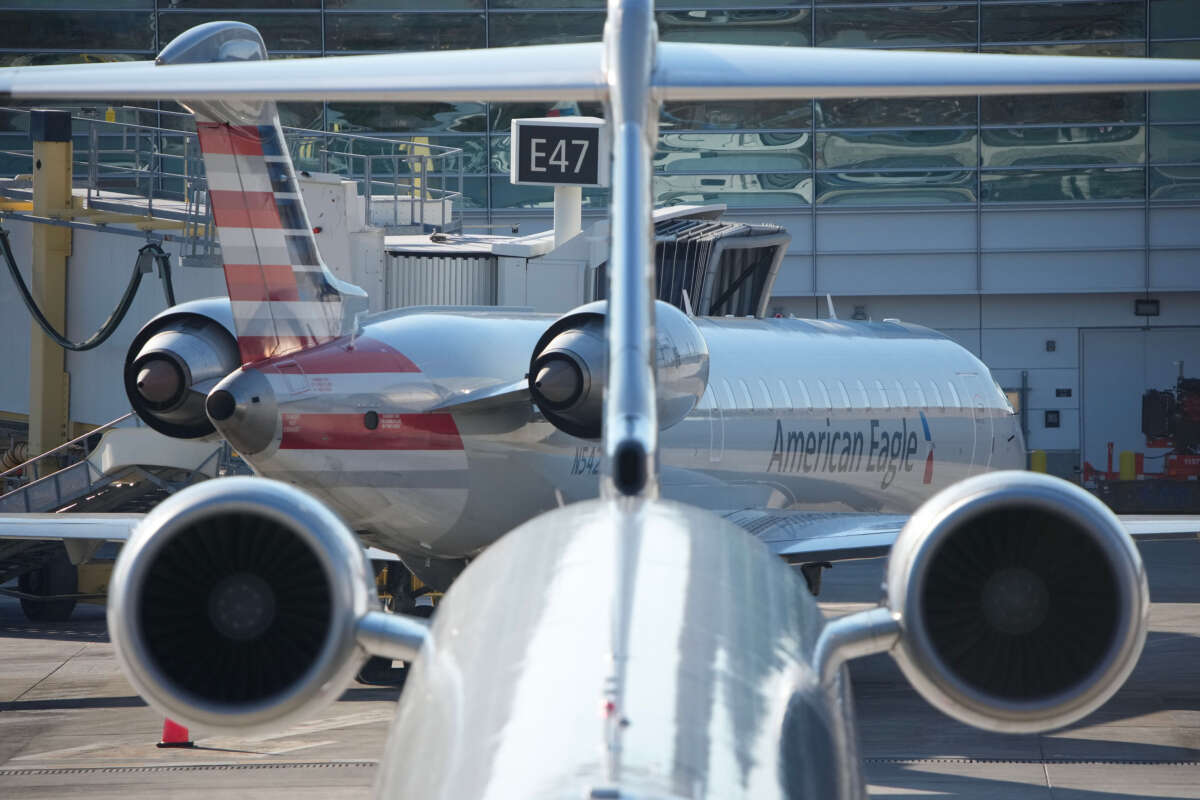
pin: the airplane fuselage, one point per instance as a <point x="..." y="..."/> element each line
<point x="798" y="414"/>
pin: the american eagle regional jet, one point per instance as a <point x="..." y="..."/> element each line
<point x="1014" y="602"/>
<point x="432" y="431"/>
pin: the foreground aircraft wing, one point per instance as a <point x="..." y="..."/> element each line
<point x="801" y="537"/>
<point x="104" y="527"/>
<point x="682" y="71"/>
<point x="96" y="527"/>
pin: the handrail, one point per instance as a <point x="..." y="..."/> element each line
<point x="165" y="163"/>
<point x="65" y="445"/>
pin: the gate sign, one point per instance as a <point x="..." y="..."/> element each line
<point x="559" y="151"/>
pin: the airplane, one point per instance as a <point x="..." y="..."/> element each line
<point x="1015" y="601"/>
<point x="819" y="436"/>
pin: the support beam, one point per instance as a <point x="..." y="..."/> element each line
<point x="49" y="384"/>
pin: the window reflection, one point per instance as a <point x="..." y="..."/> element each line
<point x="784" y="27"/>
<point x="928" y="24"/>
<point x="1063" y="185"/>
<point x="1173" y="19"/>
<point x="871" y="112"/>
<point x="1175" y="106"/>
<point x="736" y="191"/>
<point x="1175" y="143"/>
<point x="390" y="32"/>
<point x="911" y="187"/>
<point x="450" y="117"/>
<point x="1101" y="144"/>
<point x="1100" y="49"/>
<point x="509" y="30"/>
<point x="1175" y="183"/>
<point x="67" y="30"/>
<point x="1022" y="109"/>
<point x="718" y="152"/>
<point x="896" y="149"/>
<point x="502" y="114"/>
<point x="506" y="195"/>
<point x="1062" y="21"/>
<point x="704" y="114"/>
<point x="281" y="32"/>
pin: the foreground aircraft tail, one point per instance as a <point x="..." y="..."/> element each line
<point x="283" y="297"/>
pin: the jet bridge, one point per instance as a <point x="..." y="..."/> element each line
<point x="704" y="264"/>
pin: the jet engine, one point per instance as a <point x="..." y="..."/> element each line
<point x="242" y="602"/>
<point x="569" y="368"/>
<point x="1022" y="602"/>
<point x="173" y="362"/>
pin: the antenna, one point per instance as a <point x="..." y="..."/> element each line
<point x="687" y="304"/>
<point x="630" y="407"/>
<point x="829" y="302"/>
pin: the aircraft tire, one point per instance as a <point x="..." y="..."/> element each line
<point x="57" y="576"/>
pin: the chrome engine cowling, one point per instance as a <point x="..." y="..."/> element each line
<point x="174" y="361"/>
<point x="1021" y="599"/>
<point x="234" y="605"/>
<point x="569" y="368"/>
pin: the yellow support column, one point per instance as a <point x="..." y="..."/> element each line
<point x="49" y="384"/>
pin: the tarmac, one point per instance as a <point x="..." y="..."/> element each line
<point x="70" y="723"/>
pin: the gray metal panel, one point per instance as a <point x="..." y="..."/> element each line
<point x="910" y="273"/>
<point x="1106" y="271"/>
<point x="795" y="275"/>
<point x="1065" y="229"/>
<point x="1174" y="227"/>
<point x="1175" y="269"/>
<point x="428" y="280"/>
<point x="895" y="231"/>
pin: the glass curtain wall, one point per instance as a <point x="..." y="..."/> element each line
<point x="1091" y="148"/>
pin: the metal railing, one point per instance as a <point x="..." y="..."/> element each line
<point x="66" y="454"/>
<point x="148" y="163"/>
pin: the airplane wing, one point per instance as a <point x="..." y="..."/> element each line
<point x="103" y="527"/>
<point x="683" y="71"/>
<point x="95" y="527"/>
<point x="801" y="537"/>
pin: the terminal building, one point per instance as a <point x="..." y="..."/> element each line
<point x="1055" y="237"/>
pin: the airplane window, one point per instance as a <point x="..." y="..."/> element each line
<point x="920" y="395"/>
<point x="825" y="395"/>
<point x="730" y="403"/>
<point x="845" y="396"/>
<point x="883" y="398"/>
<point x="785" y="394"/>
<point x="937" y="396"/>
<point x="864" y="396"/>
<point x="768" y="402"/>
<point x="898" y="398"/>
<point x="805" y="400"/>
<point x="954" y="401"/>
<point x="744" y="395"/>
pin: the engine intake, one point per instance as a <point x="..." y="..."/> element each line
<point x="1023" y="603"/>
<point x="569" y="369"/>
<point x="173" y="362"/>
<point x="235" y="605"/>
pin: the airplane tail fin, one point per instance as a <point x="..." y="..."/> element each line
<point x="284" y="298"/>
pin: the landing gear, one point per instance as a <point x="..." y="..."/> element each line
<point x="812" y="575"/>
<point x="58" y="576"/>
<point x="401" y="592"/>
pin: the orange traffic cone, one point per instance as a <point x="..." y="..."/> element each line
<point x="174" y="735"/>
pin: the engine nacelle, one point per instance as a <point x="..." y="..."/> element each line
<point x="1022" y="602"/>
<point x="234" y="605"/>
<point x="569" y="368"/>
<point x="173" y="362"/>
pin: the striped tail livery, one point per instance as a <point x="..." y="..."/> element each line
<point x="283" y="297"/>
